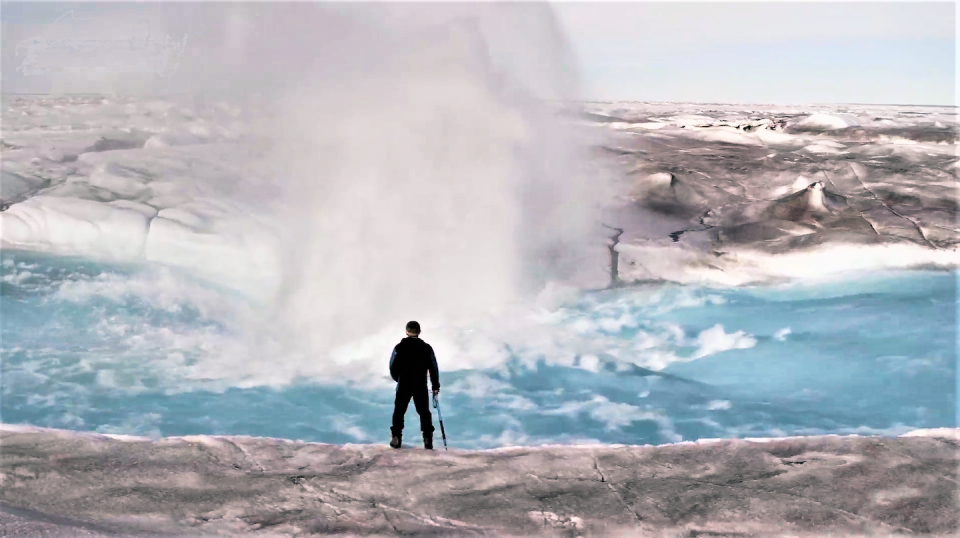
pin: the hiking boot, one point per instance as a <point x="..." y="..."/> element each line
<point x="428" y="441"/>
<point x="395" y="442"/>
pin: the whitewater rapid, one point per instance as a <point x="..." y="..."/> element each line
<point x="148" y="351"/>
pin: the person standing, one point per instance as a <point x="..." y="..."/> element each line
<point x="411" y="363"/>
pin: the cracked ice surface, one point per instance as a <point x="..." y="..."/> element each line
<point x="755" y="193"/>
<point x="127" y="179"/>
<point x="751" y="193"/>
<point x="102" y="485"/>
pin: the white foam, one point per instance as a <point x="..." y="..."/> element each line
<point x="17" y="277"/>
<point x="616" y="415"/>
<point x="159" y="287"/>
<point x="719" y="404"/>
<point x="343" y="425"/>
<point x="177" y="356"/>
<point x="782" y="334"/>
<point x="715" y="340"/>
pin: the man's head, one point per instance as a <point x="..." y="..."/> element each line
<point x="413" y="328"/>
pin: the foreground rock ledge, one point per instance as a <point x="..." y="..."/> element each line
<point x="63" y="483"/>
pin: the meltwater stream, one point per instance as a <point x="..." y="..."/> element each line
<point x="144" y="351"/>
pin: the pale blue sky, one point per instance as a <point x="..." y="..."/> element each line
<point x="766" y="52"/>
<point x="751" y="52"/>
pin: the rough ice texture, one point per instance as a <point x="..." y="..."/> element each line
<point x="828" y="121"/>
<point x="735" y="194"/>
<point x="713" y="193"/>
<point x="77" y="226"/>
<point x="131" y="179"/>
<point x="58" y="482"/>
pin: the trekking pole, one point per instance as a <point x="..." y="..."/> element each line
<point x="436" y="405"/>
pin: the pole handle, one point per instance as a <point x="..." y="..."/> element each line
<point x="440" y="416"/>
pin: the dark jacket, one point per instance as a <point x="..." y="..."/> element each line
<point x="410" y="362"/>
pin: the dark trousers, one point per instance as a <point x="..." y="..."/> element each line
<point x="421" y="401"/>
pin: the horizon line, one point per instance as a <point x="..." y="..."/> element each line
<point x="822" y="103"/>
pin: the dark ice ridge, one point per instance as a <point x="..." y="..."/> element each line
<point x="59" y="483"/>
<point x="801" y="186"/>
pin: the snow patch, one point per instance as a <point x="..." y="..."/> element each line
<point x="74" y="226"/>
<point x="829" y="121"/>
<point x="727" y="135"/>
<point x="822" y="149"/>
<point x="777" y="138"/>
<point x="944" y="433"/>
